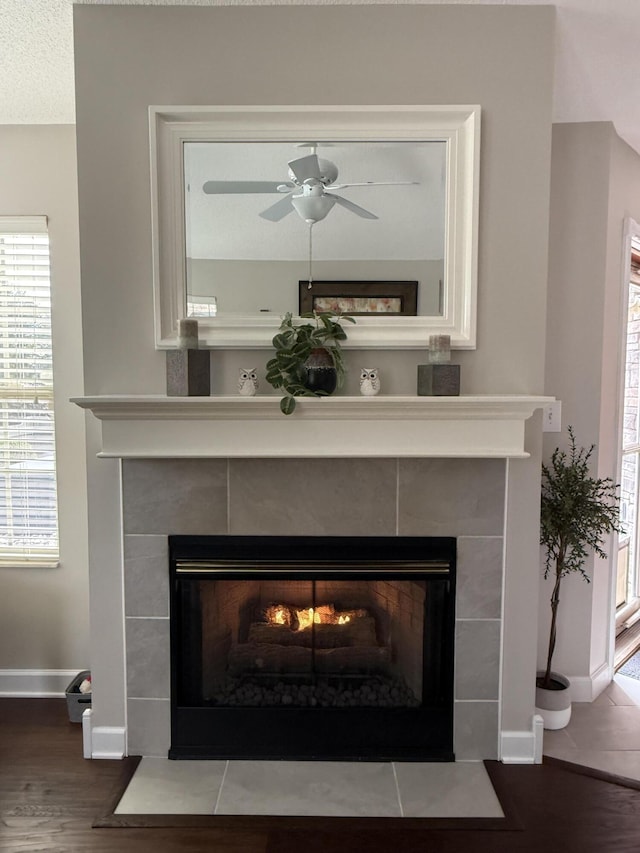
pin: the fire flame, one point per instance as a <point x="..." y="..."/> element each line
<point x="309" y="616"/>
<point x="306" y="617"/>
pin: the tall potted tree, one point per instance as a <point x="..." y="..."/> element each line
<point x="577" y="511"/>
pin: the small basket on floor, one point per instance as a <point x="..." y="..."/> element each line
<point x="77" y="702"/>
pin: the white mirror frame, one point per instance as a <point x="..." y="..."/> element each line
<point x="459" y="126"/>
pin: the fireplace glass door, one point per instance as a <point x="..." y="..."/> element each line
<point x="330" y="656"/>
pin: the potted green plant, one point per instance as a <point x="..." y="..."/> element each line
<point x="577" y="511"/>
<point x="309" y="361"/>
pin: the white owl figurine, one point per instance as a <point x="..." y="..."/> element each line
<point x="247" y="382"/>
<point x="369" y="381"/>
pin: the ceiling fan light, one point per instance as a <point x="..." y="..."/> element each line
<point x="312" y="208"/>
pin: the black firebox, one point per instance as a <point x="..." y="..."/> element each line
<point x="312" y="647"/>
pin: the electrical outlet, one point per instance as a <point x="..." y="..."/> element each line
<point x="552" y="417"/>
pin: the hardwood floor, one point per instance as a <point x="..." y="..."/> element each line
<point x="49" y="797"/>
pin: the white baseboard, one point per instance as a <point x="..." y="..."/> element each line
<point x="36" y="683"/>
<point x="538" y="738"/>
<point x="522" y="747"/>
<point x="86" y="733"/>
<point x="104" y="741"/>
<point x="589" y="687"/>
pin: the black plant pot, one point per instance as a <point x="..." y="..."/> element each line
<point x="321" y="374"/>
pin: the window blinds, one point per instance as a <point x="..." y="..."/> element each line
<point x="28" y="499"/>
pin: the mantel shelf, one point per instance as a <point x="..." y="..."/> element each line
<point x="384" y="426"/>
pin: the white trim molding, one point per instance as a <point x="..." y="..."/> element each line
<point x="522" y="747"/>
<point x="107" y="742"/>
<point x="383" y="426"/>
<point x="23" y="224"/>
<point x="36" y="683"/>
<point x="170" y="127"/>
<point x="587" y="688"/>
<point x="86" y="733"/>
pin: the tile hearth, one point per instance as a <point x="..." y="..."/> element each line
<point x="310" y="788"/>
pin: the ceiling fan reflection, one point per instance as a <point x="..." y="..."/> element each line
<point x="305" y="190"/>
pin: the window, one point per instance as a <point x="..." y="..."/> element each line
<point x="628" y="576"/>
<point x="28" y="499"/>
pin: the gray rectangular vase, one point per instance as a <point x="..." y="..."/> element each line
<point x="188" y="373"/>
<point x="438" y="380"/>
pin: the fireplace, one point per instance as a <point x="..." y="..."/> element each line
<point x="312" y="647"/>
<point x="392" y="466"/>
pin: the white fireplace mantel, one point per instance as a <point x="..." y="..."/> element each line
<point x="234" y="426"/>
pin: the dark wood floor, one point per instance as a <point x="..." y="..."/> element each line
<point x="49" y="796"/>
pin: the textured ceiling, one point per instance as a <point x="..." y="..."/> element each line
<point x="597" y="63"/>
<point x="36" y="62"/>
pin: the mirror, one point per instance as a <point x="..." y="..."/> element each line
<point x="253" y="205"/>
<point x="247" y="246"/>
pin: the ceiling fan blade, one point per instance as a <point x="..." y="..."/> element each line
<point x="376" y="184"/>
<point x="306" y="167"/>
<point x="354" y="208"/>
<point x="233" y="187"/>
<point x="278" y="210"/>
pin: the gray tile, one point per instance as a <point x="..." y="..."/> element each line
<point x="558" y="743"/>
<point x="603" y="734"/>
<point x="313" y="496"/>
<point x="477" y="659"/>
<point x="451" y="497"/>
<point x="160" y="786"/>
<point x="618" y="762"/>
<point x="182" y="496"/>
<point x="148" y="658"/>
<point x="446" y="790"/>
<point x="148" y="727"/>
<point x="605" y="700"/>
<point x="475" y="730"/>
<point x="605" y="728"/>
<point x="146" y="576"/>
<point x="624" y="690"/>
<point x="309" y="788"/>
<point x="479" y="577"/>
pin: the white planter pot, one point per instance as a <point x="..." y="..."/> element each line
<point x="554" y="706"/>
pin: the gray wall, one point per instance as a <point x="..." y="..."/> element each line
<point x="130" y="57"/>
<point x="43" y="612"/>
<point x="595" y="185"/>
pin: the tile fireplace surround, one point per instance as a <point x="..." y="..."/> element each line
<point x="325" y="493"/>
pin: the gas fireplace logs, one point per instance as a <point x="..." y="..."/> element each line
<point x="291" y="639"/>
